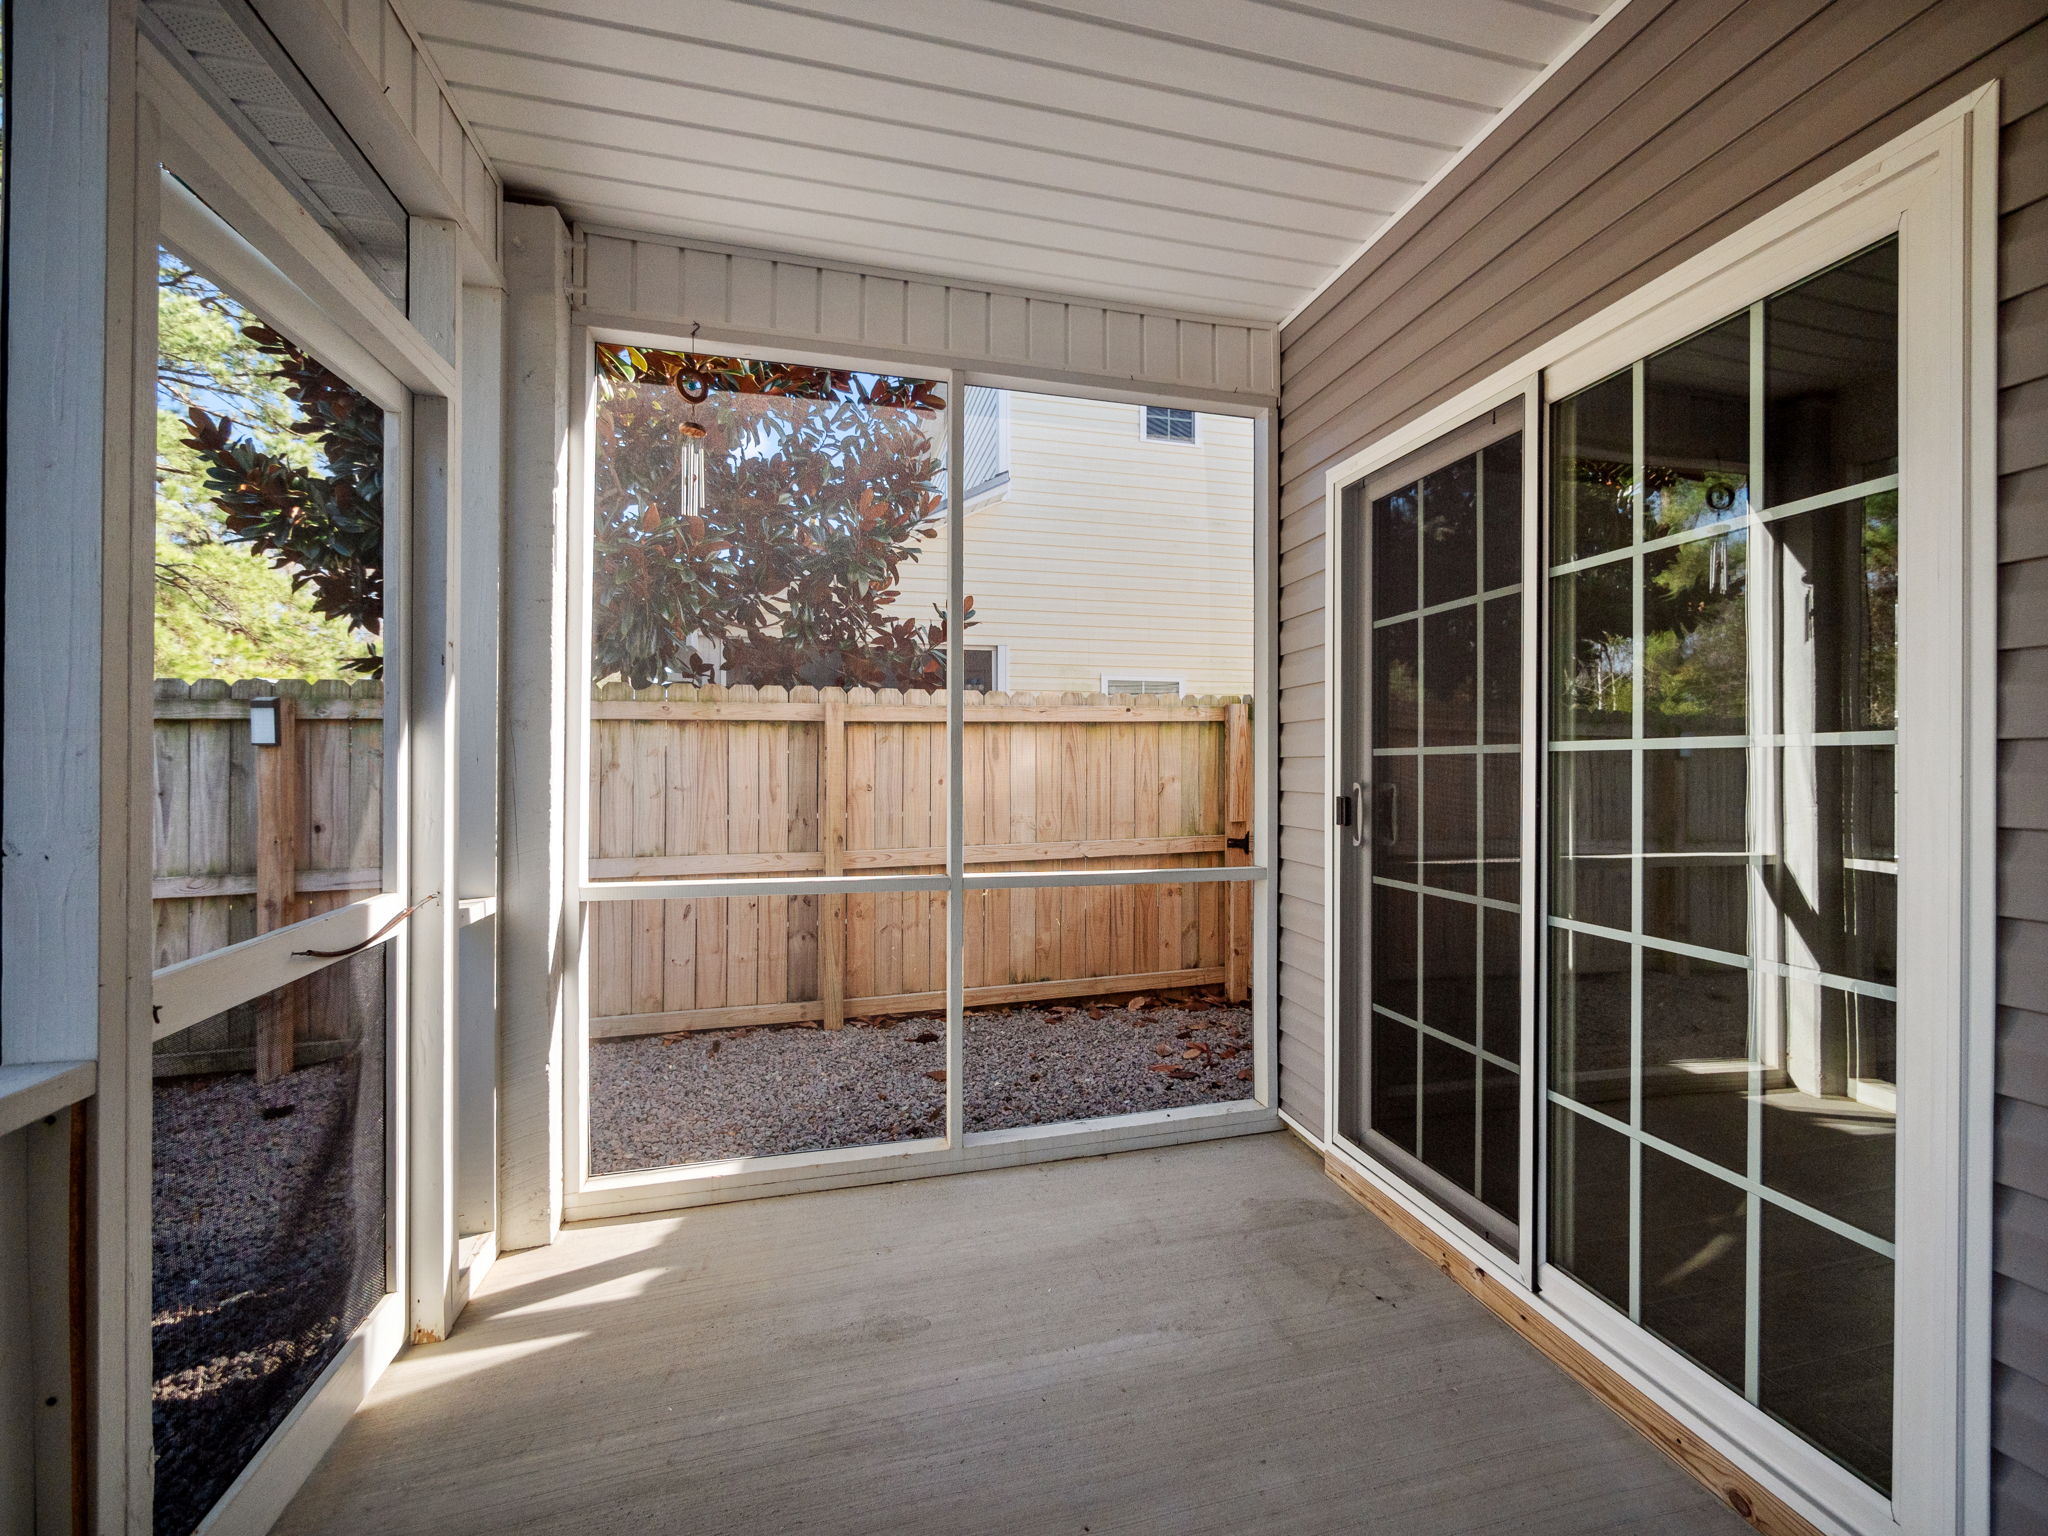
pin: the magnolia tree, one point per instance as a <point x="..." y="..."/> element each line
<point x="760" y="512"/>
<point x="323" y="525"/>
<point x="270" y="519"/>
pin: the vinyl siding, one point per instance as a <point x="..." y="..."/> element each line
<point x="1677" y="124"/>
<point x="1108" y="553"/>
<point x="660" y="283"/>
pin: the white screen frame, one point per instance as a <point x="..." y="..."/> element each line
<point x="586" y="1194"/>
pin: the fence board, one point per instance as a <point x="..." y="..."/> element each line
<point x="315" y="812"/>
<point x="708" y="781"/>
<point x="825" y="781"/>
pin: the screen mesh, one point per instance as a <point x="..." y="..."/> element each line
<point x="269" y="1234"/>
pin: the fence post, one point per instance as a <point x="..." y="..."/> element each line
<point x="1237" y="828"/>
<point x="832" y="845"/>
<point x="277" y="882"/>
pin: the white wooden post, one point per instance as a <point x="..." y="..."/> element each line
<point x="74" y="886"/>
<point x="431" y="666"/>
<point x="534" y="704"/>
<point x="476" y="765"/>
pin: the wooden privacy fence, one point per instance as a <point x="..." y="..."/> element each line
<point x="707" y="782"/>
<point x="249" y="838"/>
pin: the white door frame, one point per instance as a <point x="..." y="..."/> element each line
<point x="1935" y="187"/>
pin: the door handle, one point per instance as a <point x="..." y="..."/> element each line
<point x="1357" y="816"/>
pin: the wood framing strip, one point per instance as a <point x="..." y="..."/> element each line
<point x="684" y="866"/>
<point x="832" y="848"/>
<point x="1728" y="1483"/>
<point x="755" y="1015"/>
<point x="194" y="887"/>
<point x="238" y="709"/>
<point x="933" y="714"/>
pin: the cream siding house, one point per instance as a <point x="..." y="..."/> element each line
<point x="1101" y="558"/>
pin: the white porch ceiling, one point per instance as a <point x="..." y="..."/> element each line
<point x="1224" y="157"/>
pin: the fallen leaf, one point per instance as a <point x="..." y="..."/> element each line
<point x="1192" y="1052"/>
<point x="1180" y="1072"/>
<point x="1140" y="1001"/>
<point x="1226" y="1053"/>
<point x="1162" y="1066"/>
<point x="938" y="1075"/>
<point x="1245" y="1075"/>
<point x="1162" y="1050"/>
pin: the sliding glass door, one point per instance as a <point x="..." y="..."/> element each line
<point x="1707" y="853"/>
<point x="1724" y="575"/>
<point x="1431" y="1081"/>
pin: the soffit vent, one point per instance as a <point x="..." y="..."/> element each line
<point x="242" y="70"/>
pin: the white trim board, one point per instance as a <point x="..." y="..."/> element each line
<point x="1935" y="188"/>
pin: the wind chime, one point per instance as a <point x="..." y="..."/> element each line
<point x="695" y="389"/>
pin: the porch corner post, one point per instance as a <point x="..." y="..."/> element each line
<point x="532" y="962"/>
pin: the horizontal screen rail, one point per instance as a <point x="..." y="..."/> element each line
<point x="856" y="885"/>
<point x="194" y="990"/>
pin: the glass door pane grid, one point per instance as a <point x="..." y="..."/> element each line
<point x="1758" y="739"/>
<point x="1757" y="514"/>
<point x="1512" y="589"/>
<point x="1498" y="748"/>
<point x="1754" y="1187"/>
<point x="1418" y="892"/>
<point x="1491" y="903"/>
<point x="1764" y="965"/>
<point x="1492" y="1057"/>
<point x="1766" y="733"/>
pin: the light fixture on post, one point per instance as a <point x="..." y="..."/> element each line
<point x="263" y="730"/>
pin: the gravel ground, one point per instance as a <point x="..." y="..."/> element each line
<point x="268" y="1246"/>
<point x="663" y="1100"/>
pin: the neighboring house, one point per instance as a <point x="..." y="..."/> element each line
<point x="1109" y="547"/>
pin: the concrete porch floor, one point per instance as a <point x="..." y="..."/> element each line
<point x="1210" y="1338"/>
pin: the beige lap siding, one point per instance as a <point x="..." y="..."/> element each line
<point x="1677" y="124"/>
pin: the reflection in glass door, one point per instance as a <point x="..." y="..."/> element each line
<point x="1723" y="579"/>
<point x="1432" y="1081"/>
